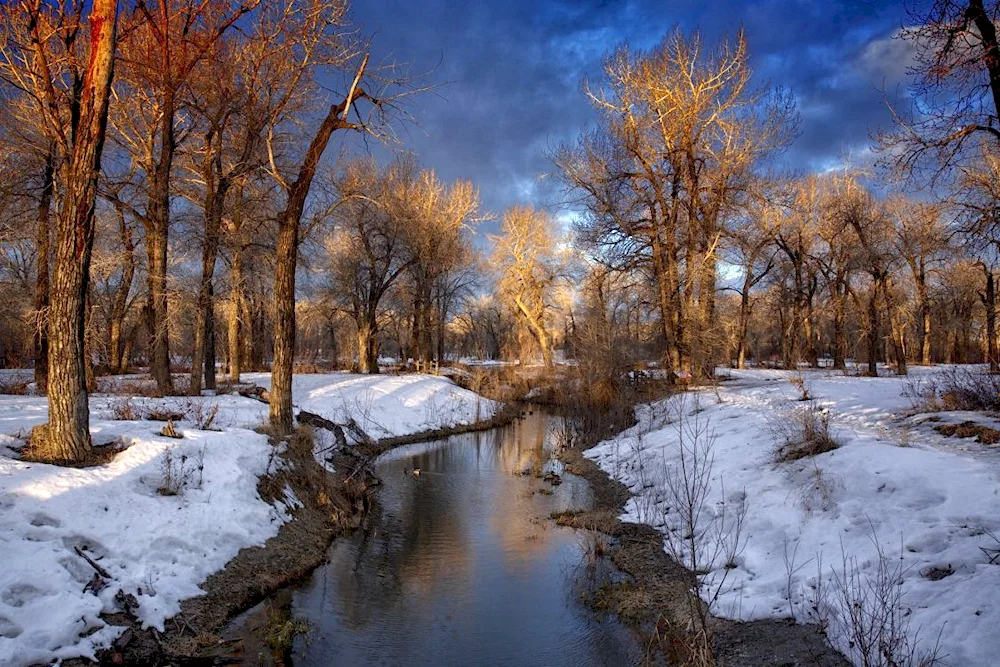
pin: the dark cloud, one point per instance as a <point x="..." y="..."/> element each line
<point x="511" y="72"/>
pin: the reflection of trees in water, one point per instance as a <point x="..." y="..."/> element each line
<point x="421" y="536"/>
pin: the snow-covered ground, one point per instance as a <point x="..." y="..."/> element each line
<point x="931" y="502"/>
<point x="156" y="547"/>
<point x="386" y="406"/>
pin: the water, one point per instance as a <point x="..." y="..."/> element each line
<point x="461" y="566"/>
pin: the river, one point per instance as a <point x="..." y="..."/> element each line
<point x="461" y="565"/>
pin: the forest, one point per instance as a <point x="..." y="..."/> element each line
<point x="198" y="192"/>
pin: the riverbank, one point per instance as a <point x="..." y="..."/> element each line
<point x="659" y="599"/>
<point x="164" y="563"/>
<point x="840" y="482"/>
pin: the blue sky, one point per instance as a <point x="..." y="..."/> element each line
<point x="511" y="70"/>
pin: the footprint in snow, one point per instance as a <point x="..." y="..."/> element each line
<point x="9" y="628"/>
<point x="18" y="595"/>
<point x="40" y="520"/>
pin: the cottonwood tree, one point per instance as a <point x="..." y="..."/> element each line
<point x="953" y="117"/>
<point x="437" y="232"/>
<point x="317" y="29"/>
<point x="165" y="42"/>
<point x="369" y="249"/>
<point x="529" y="264"/>
<point x="922" y="241"/>
<point x="61" y="57"/>
<point x="681" y="132"/>
<point x="753" y="249"/>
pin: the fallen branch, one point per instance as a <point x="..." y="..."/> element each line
<point x="97" y="568"/>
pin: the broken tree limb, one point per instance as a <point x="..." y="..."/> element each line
<point x="97" y="568"/>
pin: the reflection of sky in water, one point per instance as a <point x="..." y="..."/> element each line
<point x="461" y="566"/>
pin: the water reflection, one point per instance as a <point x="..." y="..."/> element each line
<point x="460" y="566"/>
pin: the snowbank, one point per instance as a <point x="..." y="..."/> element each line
<point x="156" y="547"/>
<point x="929" y="500"/>
<point x="386" y="406"/>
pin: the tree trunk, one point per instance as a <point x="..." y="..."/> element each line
<point x="287" y="254"/>
<point x="839" y="335"/>
<point x="157" y="238"/>
<point x="284" y="323"/>
<point x="368" y="346"/>
<point x="237" y="322"/>
<point x="203" y="357"/>
<point x="873" y="331"/>
<point x="119" y="308"/>
<point x="744" y="323"/>
<point x="989" y="301"/>
<point x="67" y="435"/>
<point x="41" y="336"/>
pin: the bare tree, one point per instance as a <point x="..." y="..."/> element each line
<point x="526" y="256"/>
<point x="42" y="57"/>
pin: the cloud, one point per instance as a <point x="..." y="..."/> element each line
<point x="511" y="71"/>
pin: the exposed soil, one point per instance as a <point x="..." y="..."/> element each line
<point x="659" y="597"/>
<point x="332" y="505"/>
<point x="983" y="434"/>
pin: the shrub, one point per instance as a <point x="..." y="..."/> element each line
<point x="799" y="382"/>
<point x="955" y="389"/>
<point x="181" y="471"/>
<point x="122" y="409"/>
<point x="872" y="618"/>
<point x="806" y="433"/>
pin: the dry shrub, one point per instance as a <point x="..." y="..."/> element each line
<point x="13" y="387"/>
<point x="955" y="389"/>
<point x="804" y="433"/>
<point x="181" y="471"/>
<point x="313" y="367"/>
<point x="145" y="388"/>
<point x="872" y="616"/>
<point x="799" y="382"/>
<point x="983" y="434"/>
<point x="123" y="409"/>
<point x="203" y="414"/>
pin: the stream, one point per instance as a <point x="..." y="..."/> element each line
<point x="461" y="565"/>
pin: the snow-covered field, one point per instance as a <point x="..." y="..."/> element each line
<point x="931" y="502"/>
<point x="386" y="406"/>
<point x="158" y="547"/>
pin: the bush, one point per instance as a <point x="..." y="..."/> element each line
<point x="872" y="618"/>
<point x="181" y="471"/>
<point x="955" y="389"/>
<point x="806" y="433"/>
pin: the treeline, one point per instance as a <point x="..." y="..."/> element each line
<point x="168" y="201"/>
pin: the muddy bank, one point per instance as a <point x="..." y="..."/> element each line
<point x="659" y="596"/>
<point x="332" y="504"/>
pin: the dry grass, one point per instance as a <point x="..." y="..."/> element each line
<point x="35" y="450"/>
<point x="955" y="389"/>
<point x="983" y="434"/>
<point x="804" y="434"/>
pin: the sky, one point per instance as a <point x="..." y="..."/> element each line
<point x="508" y="75"/>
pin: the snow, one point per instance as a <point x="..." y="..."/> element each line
<point x="160" y="548"/>
<point x="928" y="500"/>
<point x="155" y="547"/>
<point x="386" y="406"/>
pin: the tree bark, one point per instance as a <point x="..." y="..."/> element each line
<point x="157" y="239"/>
<point x="368" y="347"/>
<point x="67" y="435"/>
<point x="42" y="252"/>
<point x="287" y="254"/>
<point x="873" y="331"/>
<point x="203" y="357"/>
<point x="989" y="301"/>
<point x="119" y="308"/>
